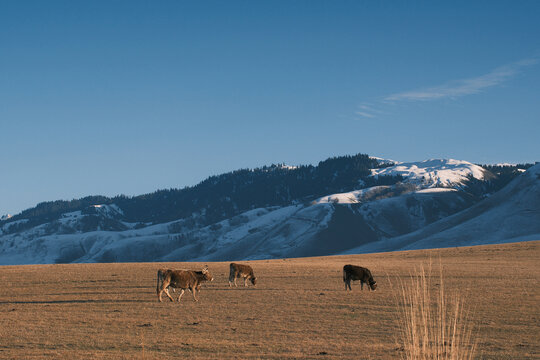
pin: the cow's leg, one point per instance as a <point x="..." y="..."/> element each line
<point x="193" y="291"/>
<point x="166" y="290"/>
<point x="231" y="278"/>
<point x="197" y="290"/>
<point x="235" y="285"/>
<point x="245" y="281"/>
<point x="361" y="285"/>
<point x="160" y="285"/>
<point x="347" y="282"/>
<point x="180" y="295"/>
<point x="164" y="287"/>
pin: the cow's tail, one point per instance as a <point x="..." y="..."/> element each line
<point x="344" y="275"/>
<point x="232" y="273"/>
<point x="159" y="280"/>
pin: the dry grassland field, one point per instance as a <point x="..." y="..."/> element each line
<point x="298" y="310"/>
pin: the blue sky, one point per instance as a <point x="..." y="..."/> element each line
<point x="127" y="97"/>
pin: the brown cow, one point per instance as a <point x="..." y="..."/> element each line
<point x="353" y="272"/>
<point x="181" y="279"/>
<point x="161" y="275"/>
<point x="238" y="271"/>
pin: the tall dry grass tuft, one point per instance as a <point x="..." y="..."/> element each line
<point x="432" y="323"/>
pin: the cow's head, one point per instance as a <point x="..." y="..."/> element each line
<point x="254" y="281"/>
<point x="372" y="284"/>
<point x="207" y="274"/>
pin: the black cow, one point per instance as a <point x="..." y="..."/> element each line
<point x="353" y="272"/>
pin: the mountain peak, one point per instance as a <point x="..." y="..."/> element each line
<point x="434" y="172"/>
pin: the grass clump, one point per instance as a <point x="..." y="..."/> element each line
<point x="433" y="324"/>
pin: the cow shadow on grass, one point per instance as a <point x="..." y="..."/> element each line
<point x="81" y="301"/>
<point x="239" y="288"/>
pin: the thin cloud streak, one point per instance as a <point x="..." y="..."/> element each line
<point x="366" y="110"/>
<point x="451" y="89"/>
<point x="364" y="114"/>
<point x="464" y="87"/>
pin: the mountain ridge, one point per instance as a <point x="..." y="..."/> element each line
<point x="363" y="219"/>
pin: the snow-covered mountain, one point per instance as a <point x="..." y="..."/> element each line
<point x="512" y="214"/>
<point x="435" y="172"/>
<point x="290" y="231"/>
<point x="429" y="208"/>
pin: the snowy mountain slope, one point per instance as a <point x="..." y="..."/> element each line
<point x="363" y="223"/>
<point x="290" y="231"/>
<point x="257" y="233"/>
<point x="413" y="214"/>
<point x="435" y="172"/>
<point x="512" y="214"/>
<point x="322" y="228"/>
<point x="100" y="217"/>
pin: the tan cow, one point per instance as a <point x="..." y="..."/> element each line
<point x="161" y="275"/>
<point x="241" y="271"/>
<point x="181" y="279"/>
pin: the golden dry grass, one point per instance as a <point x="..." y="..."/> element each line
<point x="433" y="324"/>
<point x="299" y="309"/>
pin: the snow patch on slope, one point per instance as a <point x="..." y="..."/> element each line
<point x="351" y="197"/>
<point x="434" y="172"/>
<point x="369" y="194"/>
<point x="434" y="190"/>
<point x="382" y="161"/>
<point x="111" y="210"/>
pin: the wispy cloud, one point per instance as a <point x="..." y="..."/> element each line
<point x="475" y="85"/>
<point x="450" y="89"/>
<point x="364" y="114"/>
<point x="367" y="110"/>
